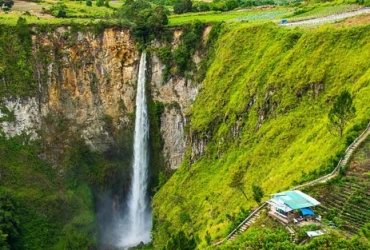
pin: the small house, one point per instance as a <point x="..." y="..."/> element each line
<point x="292" y="206"/>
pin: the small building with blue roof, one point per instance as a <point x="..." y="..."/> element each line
<point x="292" y="206"/>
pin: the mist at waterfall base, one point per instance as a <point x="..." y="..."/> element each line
<point x="130" y="221"/>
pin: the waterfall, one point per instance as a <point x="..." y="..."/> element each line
<point x="138" y="221"/>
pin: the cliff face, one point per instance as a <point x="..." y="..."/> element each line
<point x="89" y="79"/>
<point x="177" y="95"/>
<point x="89" y="82"/>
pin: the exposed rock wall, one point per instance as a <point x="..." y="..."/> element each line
<point x="20" y="116"/>
<point x="90" y="80"/>
<point x="176" y="94"/>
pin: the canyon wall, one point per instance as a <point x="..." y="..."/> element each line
<point x="88" y="80"/>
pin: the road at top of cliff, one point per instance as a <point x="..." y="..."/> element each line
<point x="327" y="19"/>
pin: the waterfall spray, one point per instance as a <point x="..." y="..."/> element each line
<point x="138" y="221"/>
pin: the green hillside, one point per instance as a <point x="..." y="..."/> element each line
<point x="263" y="111"/>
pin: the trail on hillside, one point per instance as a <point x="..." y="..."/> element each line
<point x="328" y="19"/>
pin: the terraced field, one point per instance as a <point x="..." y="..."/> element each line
<point x="346" y="203"/>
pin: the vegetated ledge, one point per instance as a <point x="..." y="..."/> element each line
<point x="263" y="108"/>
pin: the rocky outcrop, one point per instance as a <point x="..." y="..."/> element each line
<point x="177" y="94"/>
<point x="19" y="116"/>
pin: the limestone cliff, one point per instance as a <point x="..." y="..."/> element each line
<point x="88" y="80"/>
<point x="177" y="94"/>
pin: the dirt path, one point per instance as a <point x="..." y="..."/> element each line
<point x="328" y="19"/>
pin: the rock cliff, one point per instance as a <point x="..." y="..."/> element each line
<point x="89" y="80"/>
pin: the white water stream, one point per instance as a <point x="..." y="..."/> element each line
<point x="138" y="221"/>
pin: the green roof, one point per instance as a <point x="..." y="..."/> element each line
<point x="295" y="199"/>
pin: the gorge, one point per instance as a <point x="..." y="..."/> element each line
<point x="254" y="100"/>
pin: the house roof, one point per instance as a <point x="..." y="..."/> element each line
<point x="279" y="204"/>
<point x="295" y="199"/>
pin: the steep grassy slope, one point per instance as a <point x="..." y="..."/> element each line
<point x="262" y="111"/>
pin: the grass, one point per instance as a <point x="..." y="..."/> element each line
<point x="263" y="108"/>
<point x="12" y="18"/>
<point x="79" y="9"/>
<point x="77" y="12"/>
<point x="242" y="15"/>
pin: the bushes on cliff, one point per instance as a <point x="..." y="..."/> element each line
<point x="16" y="73"/>
<point x="181" y="57"/>
<point x="147" y="21"/>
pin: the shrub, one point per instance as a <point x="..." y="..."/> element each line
<point x="231" y="4"/>
<point x="182" y="6"/>
<point x="99" y="3"/>
<point x="61" y="14"/>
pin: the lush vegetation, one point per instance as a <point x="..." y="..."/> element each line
<point x="263" y="110"/>
<point x="147" y="22"/>
<point x="40" y="207"/>
<point x="16" y="71"/>
<point x="48" y="189"/>
<point x="110" y="12"/>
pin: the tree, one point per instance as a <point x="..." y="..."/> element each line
<point x="88" y="3"/>
<point x="59" y="10"/>
<point x="231" y="4"/>
<point x="342" y="111"/>
<point x="237" y="181"/>
<point x="61" y="14"/>
<point x="158" y="19"/>
<point x="148" y="21"/>
<point x="257" y="193"/>
<point x="182" y="6"/>
<point x="131" y="9"/>
<point x="6" y="4"/>
<point x="99" y="3"/>
<point x="180" y="241"/>
<point x="9" y="224"/>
